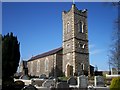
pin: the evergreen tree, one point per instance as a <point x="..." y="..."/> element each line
<point x="10" y="56"/>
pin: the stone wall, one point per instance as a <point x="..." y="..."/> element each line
<point x="75" y="43"/>
<point x="45" y="65"/>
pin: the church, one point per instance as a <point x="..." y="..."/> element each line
<point x="72" y="58"/>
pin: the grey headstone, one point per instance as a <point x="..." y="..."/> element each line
<point x="99" y="81"/>
<point x="82" y="81"/>
<point x="42" y="76"/>
<point x="72" y="81"/>
<point x="29" y="87"/>
<point x="25" y="77"/>
<point x="114" y="71"/>
<point x="48" y="83"/>
<point x="37" y="82"/>
<point x="62" y="85"/>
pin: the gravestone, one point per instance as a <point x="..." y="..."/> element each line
<point x="37" y="82"/>
<point x="48" y="83"/>
<point x="25" y="77"/>
<point x="82" y="81"/>
<point x="62" y="85"/>
<point x="72" y="81"/>
<point x="43" y="76"/>
<point x="99" y="81"/>
<point x="29" y="87"/>
<point x="114" y="71"/>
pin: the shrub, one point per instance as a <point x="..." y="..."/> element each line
<point x="18" y="85"/>
<point x="115" y="84"/>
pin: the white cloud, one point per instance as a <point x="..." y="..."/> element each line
<point x="91" y="46"/>
<point x="96" y="51"/>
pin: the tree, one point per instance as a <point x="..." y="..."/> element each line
<point x="114" y="56"/>
<point x="10" y="56"/>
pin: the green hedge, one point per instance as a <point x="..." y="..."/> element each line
<point x="115" y="84"/>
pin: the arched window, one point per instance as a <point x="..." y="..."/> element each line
<point x="38" y="66"/>
<point x="46" y="64"/>
<point x="82" y="66"/>
<point x="68" y="27"/>
<point x="80" y="27"/>
<point x="31" y="70"/>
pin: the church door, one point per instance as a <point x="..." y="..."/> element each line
<point x="69" y="70"/>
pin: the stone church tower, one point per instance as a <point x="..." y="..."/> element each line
<point x="75" y="42"/>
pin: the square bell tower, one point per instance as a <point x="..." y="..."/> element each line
<point x="75" y="42"/>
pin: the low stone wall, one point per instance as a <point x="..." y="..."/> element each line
<point x="112" y="76"/>
<point x="27" y="82"/>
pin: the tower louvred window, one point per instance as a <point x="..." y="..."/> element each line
<point x="81" y="27"/>
<point x="68" y="27"/>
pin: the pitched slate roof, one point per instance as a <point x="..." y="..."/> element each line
<point x="46" y="54"/>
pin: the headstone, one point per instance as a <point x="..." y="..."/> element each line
<point x="29" y="87"/>
<point x="42" y="76"/>
<point x="37" y="82"/>
<point x="48" y="83"/>
<point x="25" y="77"/>
<point x="72" y="81"/>
<point x="62" y="85"/>
<point x="114" y="71"/>
<point x="99" y="81"/>
<point x="82" y="81"/>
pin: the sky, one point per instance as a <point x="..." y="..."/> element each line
<point x="38" y="27"/>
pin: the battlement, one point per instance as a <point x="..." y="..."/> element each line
<point x="75" y="10"/>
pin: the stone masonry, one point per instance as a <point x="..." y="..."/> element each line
<point x="73" y="57"/>
<point x="75" y="43"/>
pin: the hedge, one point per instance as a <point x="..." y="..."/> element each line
<point x="115" y="84"/>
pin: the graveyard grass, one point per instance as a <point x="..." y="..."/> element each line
<point x="63" y="78"/>
<point x="115" y="84"/>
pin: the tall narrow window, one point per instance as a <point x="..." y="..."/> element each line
<point x="38" y="66"/>
<point x="68" y="27"/>
<point x="31" y="70"/>
<point x="46" y="64"/>
<point x="81" y="27"/>
<point x="82" y="66"/>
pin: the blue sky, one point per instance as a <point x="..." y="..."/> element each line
<point x="38" y="27"/>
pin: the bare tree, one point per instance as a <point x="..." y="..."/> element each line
<point x="114" y="56"/>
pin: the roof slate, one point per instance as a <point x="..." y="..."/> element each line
<point x="46" y="54"/>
